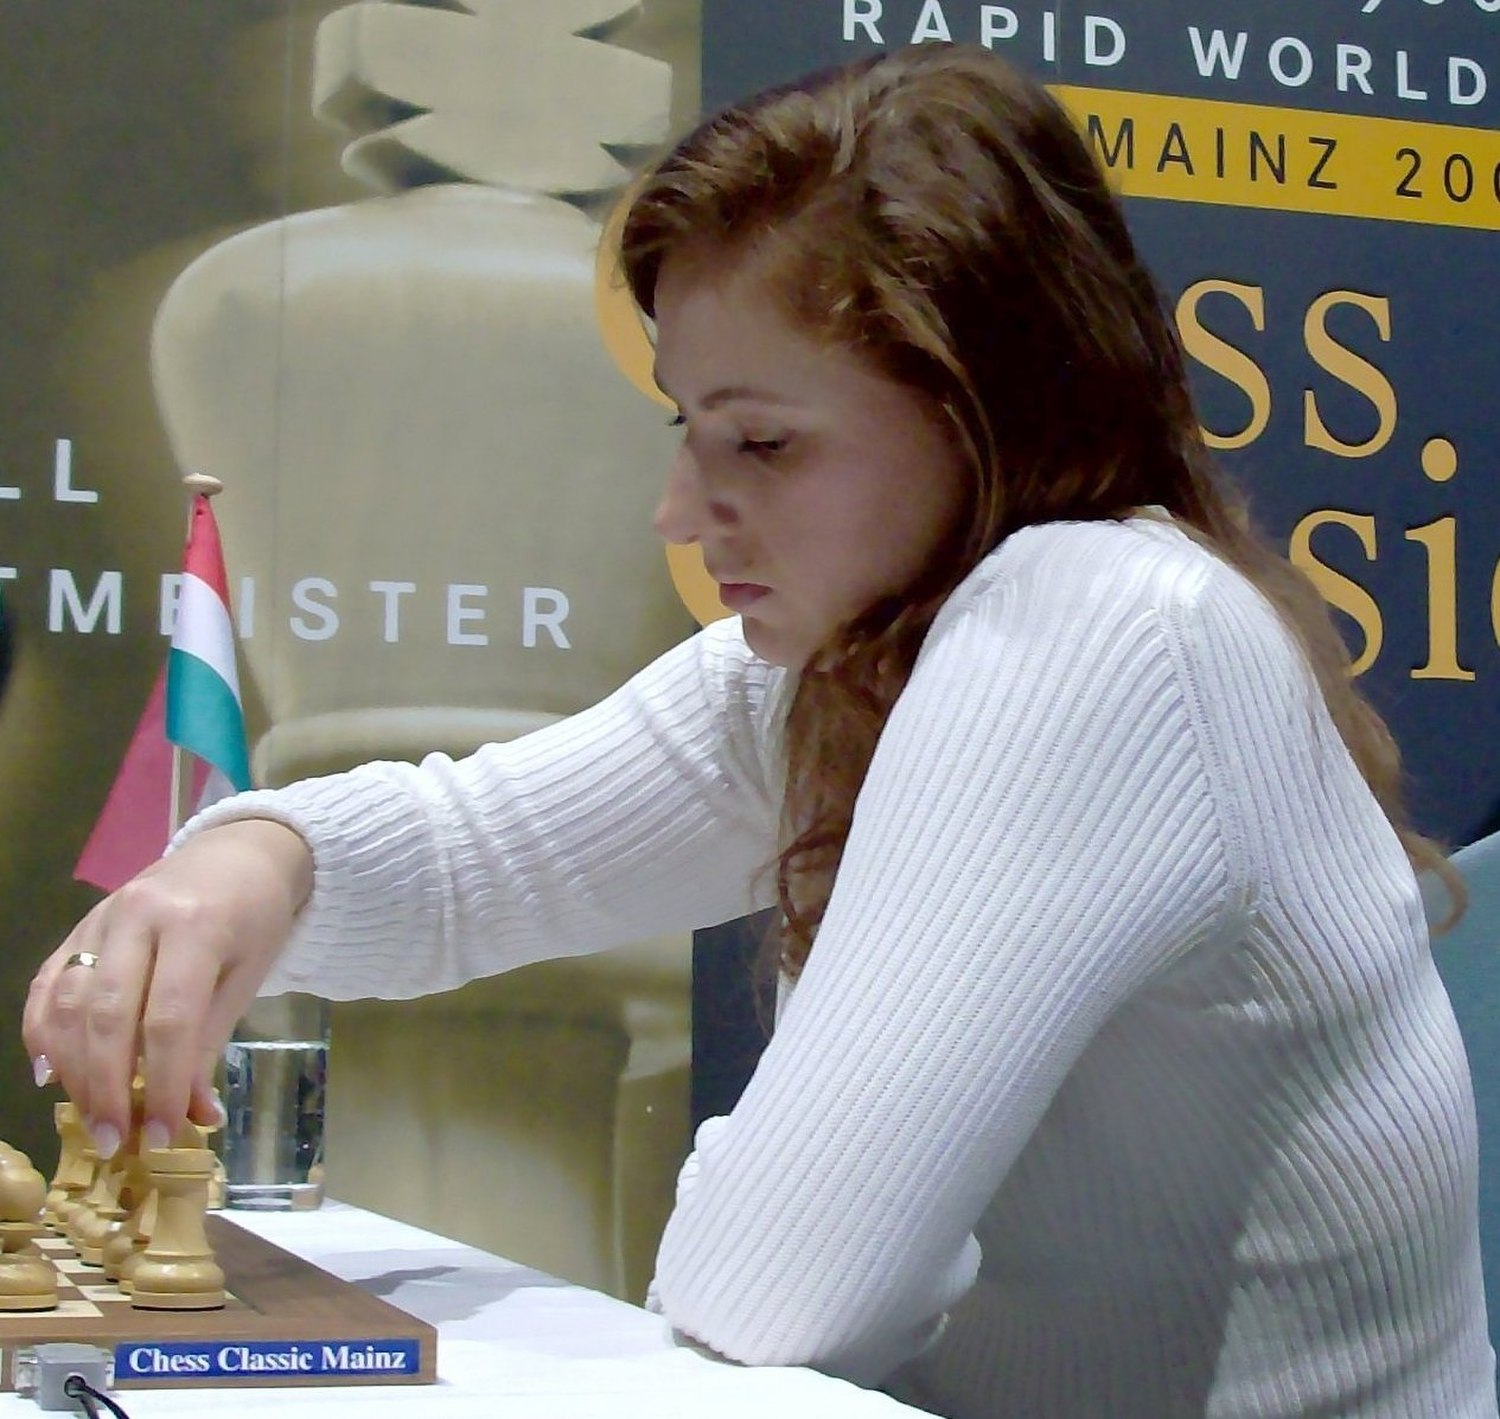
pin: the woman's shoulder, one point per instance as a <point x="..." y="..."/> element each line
<point x="1079" y="578"/>
<point x="1145" y="554"/>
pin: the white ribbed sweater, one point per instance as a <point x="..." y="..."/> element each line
<point x="1121" y="1041"/>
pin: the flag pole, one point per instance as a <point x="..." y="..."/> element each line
<point x="179" y="809"/>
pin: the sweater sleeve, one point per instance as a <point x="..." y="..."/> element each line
<point x="649" y="813"/>
<point x="1036" y="836"/>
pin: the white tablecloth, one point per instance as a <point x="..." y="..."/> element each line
<point x="512" y="1344"/>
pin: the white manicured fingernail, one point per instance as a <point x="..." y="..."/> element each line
<point x="155" y="1135"/>
<point x="106" y="1139"/>
<point x="221" y="1114"/>
<point x="41" y="1069"/>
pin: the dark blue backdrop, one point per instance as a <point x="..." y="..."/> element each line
<point x="1439" y="284"/>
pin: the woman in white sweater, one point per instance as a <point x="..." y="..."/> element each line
<point x="1112" y="1075"/>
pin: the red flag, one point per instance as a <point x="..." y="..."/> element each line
<point x="133" y="829"/>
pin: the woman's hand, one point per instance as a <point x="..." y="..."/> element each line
<point x="178" y="954"/>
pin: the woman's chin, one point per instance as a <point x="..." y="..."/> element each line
<point x="772" y="646"/>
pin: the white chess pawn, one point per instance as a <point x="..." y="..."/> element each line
<point x="74" y="1173"/>
<point x="28" y="1281"/>
<point x="129" y="1239"/>
<point x="76" y="1211"/>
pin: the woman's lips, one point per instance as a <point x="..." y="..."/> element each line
<point x="738" y="595"/>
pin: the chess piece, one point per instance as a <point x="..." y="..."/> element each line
<point x="128" y="1240"/>
<point x="103" y="1213"/>
<point x="75" y="1208"/>
<point x="434" y="327"/>
<point x="127" y="1237"/>
<point x="73" y="1172"/>
<point x="177" y="1271"/>
<point x="28" y="1281"/>
<point x="99" y="1212"/>
<point x="55" y="1190"/>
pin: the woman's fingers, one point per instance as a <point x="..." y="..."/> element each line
<point x="119" y="988"/>
<point x="188" y="1015"/>
<point x="56" y="1009"/>
<point x="132" y="987"/>
<point x="205" y="1107"/>
<point x="34" y="1029"/>
<point x="156" y="975"/>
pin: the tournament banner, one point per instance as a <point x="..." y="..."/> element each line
<point x="1317" y="188"/>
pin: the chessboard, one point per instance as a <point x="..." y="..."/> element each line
<point x="284" y="1322"/>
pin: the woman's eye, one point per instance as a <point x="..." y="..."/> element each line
<point x="762" y="447"/>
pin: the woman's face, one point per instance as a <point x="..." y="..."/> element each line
<point x="813" y="485"/>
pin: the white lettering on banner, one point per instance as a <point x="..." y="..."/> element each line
<point x="544" y="608"/>
<point x="997" y="22"/>
<point x="327" y="622"/>
<point x="392" y="591"/>
<point x="1290" y="78"/>
<point x="1103" y="39"/>
<point x="62" y="594"/>
<point x="1094" y="27"/>
<point x="9" y="494"/>
<point x="245" y="622"/>
<point x="63" y="490"/>
<point x="1353" y="62"/>
<point x="1404" y="89"/>
<point x="1216" y="54"/>
<point x="171" y="594"/>
<point x="931" y="24"/>
<point x="459" y="614"/>
<point x="862" y="14"/>
<point x="1458" y="66"/>
<point x="1292" y="63"/>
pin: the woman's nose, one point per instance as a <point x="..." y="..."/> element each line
<point x="685" y="510"/>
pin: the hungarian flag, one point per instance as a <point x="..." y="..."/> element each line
<point x="194" y="704"/>
<point x="203" y="686"/>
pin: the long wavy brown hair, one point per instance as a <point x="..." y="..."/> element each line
<point x="937" y="213"/>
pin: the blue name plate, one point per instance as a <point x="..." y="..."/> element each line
<point x="165" y="1361"/>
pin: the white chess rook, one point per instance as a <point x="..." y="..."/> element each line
<point x="177" y="1271"/>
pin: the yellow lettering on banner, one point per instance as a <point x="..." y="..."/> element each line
<point x="1495" y="604"/>
<point x="1440" y="539"/>
<point x="1339" y="591"/>
<point x="1359" y="374"/>
<point x="1291" y="159"/>
<point x="1224" y="359"/>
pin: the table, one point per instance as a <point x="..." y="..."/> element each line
<point x="513" y="1343"/>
